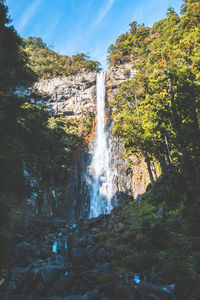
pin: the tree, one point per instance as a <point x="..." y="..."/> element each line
<point x="46" y="63"/>
<point x="157" y="112"/>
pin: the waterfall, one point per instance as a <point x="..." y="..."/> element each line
<point x="100" y="175"/>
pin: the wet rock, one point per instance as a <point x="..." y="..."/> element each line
<point x="108" y="288"/>
<point x="105" y="268"/>
<point x="184" y="288"/>
<point x="45" y="252"/>
<point x="20" y="297"/>
<point x="79" y="241"/>
<point x="123" y="291"/>
<point x="40" y="288"/>
<point x="81" y="256"/>
<point x="101" y="255"/>
<point x="94" y="295"/>
<point x="40" y="277"/>
<point x="76" y="297"/>
<point x="18" y="277"/>
<point x="160" y="213"/>
<point x="61" y="260"/>
<point x="19" y="238"/>
<point x="61" y="285"/>
<point x="56" y="298"/>
<point x="95" y="221"/>
<point x="24" y="250"/>
<point x="153" y="292"/>
<point x="120" y="226"/>
<point x="49" y="273"/>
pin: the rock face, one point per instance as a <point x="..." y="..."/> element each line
<point x="64" y="262"/>
<point x="136" y="178"/>
<point x="122" y="185"/>
<point x="68" y="95"/>
<point x="75" y="95"/>
<point x="140" y="177"/>
<point x="77" y="195"/>
<point x="71" y="96"/>
<point x="116" y="75"/>
<point x="77" y="201"/>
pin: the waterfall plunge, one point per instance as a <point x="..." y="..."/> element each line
<point x="100" y="175"/>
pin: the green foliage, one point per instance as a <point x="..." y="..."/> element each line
<point x="49" y="159"/>
<point x="37" y="148"/>
<point x="156" y="113"/>
<point x="46" y="63"/>
<point x="129" y="46"/>
<point x="154" y="243"/>
<point x="12" y="58"/>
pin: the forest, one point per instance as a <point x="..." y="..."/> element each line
<point x="155" y="114"/>
<point x="22" y="123"/>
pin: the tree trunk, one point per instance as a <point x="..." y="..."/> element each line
<point x="154" y="170"/>
<point x="162" y="162"/>
<point x="149" y="169"/>
<point x="168" y="151"/>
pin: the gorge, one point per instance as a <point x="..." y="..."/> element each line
<point x="100" y="180"/>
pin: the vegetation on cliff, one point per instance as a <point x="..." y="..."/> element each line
<point x="156" y="114"/>
<point x="46" y="63"/>
<point x="36" y="148"/>
<point x="157" y="237"/>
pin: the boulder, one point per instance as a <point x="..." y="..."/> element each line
<point x="17" y="280"/>
<point x="23" y="250"/>
<point x="81" y="256"/>
<point x="101" y="255"/>
<point x="123" y="291"/>
<point x="160" y="213"/>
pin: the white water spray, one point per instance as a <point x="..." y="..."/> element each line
<point x="100" y="173"/>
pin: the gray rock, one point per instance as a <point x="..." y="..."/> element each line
<point x="61" y="285"/>
<point x="17" y="280"/>
<point x="160" y="213"/>
<point x="123" y="291"/>
<point x="69" y="95"/>
<point x="48" y="273"/>
<point x="81" y="256"/>
<point x="120" y="226"/>
<point x="105" y="268"/>
<point x="24" y="250"/>
<point x="76" y="297"/>
<point x="138" y="198"/>
<point x="101" y="255"/>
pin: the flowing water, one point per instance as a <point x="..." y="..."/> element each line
<point x="100" y="175"/>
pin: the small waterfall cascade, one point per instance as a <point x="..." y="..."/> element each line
<point x="100" y="177"/>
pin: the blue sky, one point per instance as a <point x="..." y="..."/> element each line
<point x="89" y="26"/>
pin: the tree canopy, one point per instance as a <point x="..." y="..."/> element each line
<point x="36" y="147"/>
<point x="157" y="111"/>
<point x="46" y="63"/>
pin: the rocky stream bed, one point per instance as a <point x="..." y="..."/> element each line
<point x="52" y="259"/>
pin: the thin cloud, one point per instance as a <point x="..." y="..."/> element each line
<point x="28" y="14"/>
<point x="103" y="12"/>
<point x="77" y="42"/>
<point x="94" y="25"/>
<point x="50" y="25"/>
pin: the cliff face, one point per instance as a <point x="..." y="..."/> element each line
<point x="136" y="178"/>
<point x="70" y="95"/>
